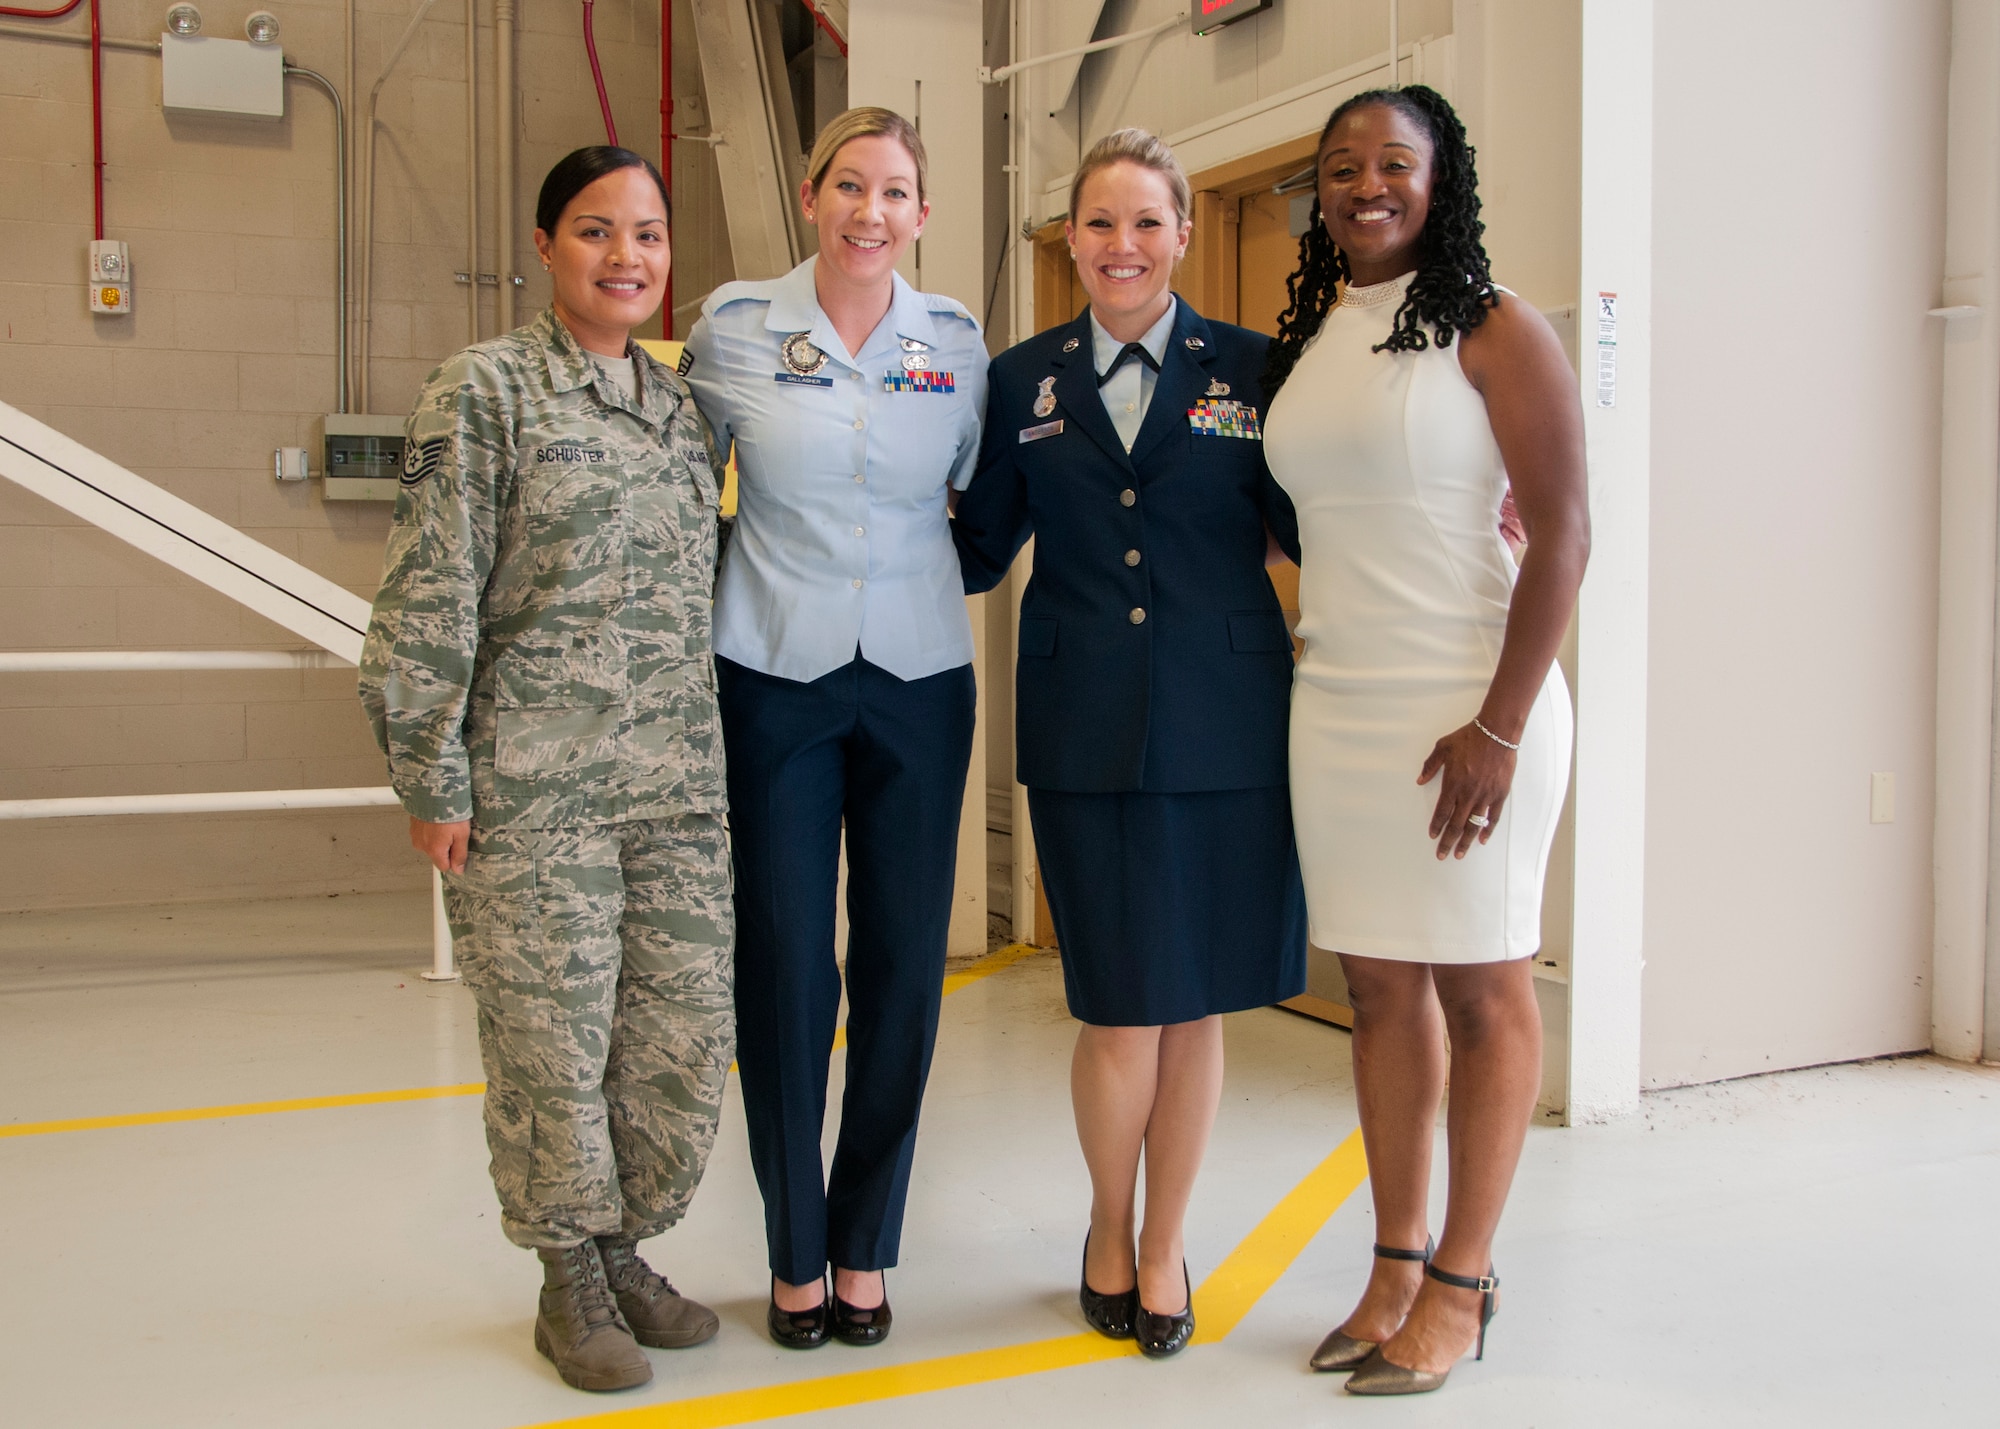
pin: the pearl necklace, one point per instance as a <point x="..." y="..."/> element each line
<point x="1375" y="294"/>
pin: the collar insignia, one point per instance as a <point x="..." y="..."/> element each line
<point x="1072" y="345"/>
<point x="1195" y="344"/>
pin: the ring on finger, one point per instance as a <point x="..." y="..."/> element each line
<point x="1478" y="821"/>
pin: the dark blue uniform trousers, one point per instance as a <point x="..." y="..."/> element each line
<point x="888" y="758"/>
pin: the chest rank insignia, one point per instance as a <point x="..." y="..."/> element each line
<point x="1045" y="399"/>
<point x="920" y="381"/>
<point x="1211" y="418"/>
<point x="1217" y="388"/>
<point x="801" y="357"/>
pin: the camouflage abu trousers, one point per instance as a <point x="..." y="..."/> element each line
<point x="600" y="958"/>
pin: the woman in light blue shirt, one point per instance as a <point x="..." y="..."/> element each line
<point x="844" y="664"/>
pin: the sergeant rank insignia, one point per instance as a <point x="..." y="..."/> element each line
<point x="920" y="380"/>
<point x="1045" y="398"/>
<point x="1213" y="418"/>
<point x="803" y="362"/>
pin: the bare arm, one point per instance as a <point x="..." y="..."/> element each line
<point x="1516" y="363"/>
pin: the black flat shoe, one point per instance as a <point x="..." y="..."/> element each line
<point x="797" y="1329"/>
<point x="854" y="1326"/>
<point x="1163" y="1335"/>
<point x="1110" y="1315"/>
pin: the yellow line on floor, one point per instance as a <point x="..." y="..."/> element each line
<point x="985" y="967"/>
<point x="1225" y="1297"/>
<point x="214" y="1113"/>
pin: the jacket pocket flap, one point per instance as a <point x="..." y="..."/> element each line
<point x="1258" y="632"/>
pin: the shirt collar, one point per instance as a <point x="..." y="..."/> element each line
<point x="794" y="307"/>
<point x="570" y="368"/>
<point x="1104" y="348"/>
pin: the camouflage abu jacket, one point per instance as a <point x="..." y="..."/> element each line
<point x="539" y="654"/>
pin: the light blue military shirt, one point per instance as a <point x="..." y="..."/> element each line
<point x="842" y="540"/>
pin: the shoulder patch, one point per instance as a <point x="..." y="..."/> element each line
<point x="421" y="460"/>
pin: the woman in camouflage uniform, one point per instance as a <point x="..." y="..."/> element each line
<point x="538" y="671"/>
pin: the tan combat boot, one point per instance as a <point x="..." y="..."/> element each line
<point x="659" y="1315"/>
<point x="578" y="1327"/>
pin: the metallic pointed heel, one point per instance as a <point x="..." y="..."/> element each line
<point x="1381" y="1375"/>
<point x="1342" y="1351"/>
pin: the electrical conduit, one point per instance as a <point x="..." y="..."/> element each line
<point x="368" y="201"/>
<point x="597" y="74"/>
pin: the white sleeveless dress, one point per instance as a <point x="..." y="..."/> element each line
<point x="1403" y="596"/>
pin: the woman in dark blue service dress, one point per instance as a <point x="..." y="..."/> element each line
<point x="1151" y="692"/>
<point x="844" y="658"/>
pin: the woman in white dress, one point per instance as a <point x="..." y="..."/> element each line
<point x="1431" y="729"/>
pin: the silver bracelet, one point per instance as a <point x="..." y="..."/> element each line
<point x="1491" y="735"/>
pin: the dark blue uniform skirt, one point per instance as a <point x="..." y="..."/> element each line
<point x="1171" y="907"/>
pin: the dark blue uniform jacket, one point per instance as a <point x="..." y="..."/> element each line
<point x="1153" y="653"/>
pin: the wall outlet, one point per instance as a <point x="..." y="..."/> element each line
<point x="1881" y="798"/>
<point x="292" y="464"/>
<point x="110" y="276"/>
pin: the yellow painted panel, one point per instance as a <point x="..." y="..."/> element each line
<point x="670" y="353"/>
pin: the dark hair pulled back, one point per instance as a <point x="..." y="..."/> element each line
<point x="578" y="170"/>
<point x="1453" y="286"/>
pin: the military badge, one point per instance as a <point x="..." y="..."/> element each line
<point x="1072" y="345"/>
<point x="1195" y="344"/>
<point x="915" y="362"/>
<point x="421" y="460"/>
<point x="1217" y="388"/>
<point x="910" y="344"/>
<point x="801" y="357"/>
<point x="1212" y="418"/>
<point x="1045" y="399"/>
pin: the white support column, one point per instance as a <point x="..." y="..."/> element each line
<point x="1970" y="450"/>
<point x="1617" y="258"/>
<point x="922" y="61"/>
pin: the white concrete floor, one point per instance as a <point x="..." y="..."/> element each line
<point x="1811" y="1248"/>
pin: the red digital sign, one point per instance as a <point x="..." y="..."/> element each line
<point x="1208" y="15"/>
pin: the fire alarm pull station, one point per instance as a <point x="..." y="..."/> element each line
<point x="364" y="457"/>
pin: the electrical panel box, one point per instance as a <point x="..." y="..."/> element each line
<point x="110" y="276"/>
<point x="364" y="457"/>
<point x="200" y="75"/>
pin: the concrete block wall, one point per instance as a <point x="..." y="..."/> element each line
<point x="229" y="352"/>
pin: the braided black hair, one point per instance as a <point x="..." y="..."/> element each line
<point x="1453" y="286"/>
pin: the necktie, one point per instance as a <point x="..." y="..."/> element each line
<point x="1129" y="350"/>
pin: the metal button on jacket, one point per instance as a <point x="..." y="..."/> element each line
<point x="1138" y="615"/>
<point x="1131" y="558"/>
<point x="1128" y="497"/>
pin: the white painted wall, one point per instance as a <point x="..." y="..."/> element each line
<point x="1798" y="229"/>
<point x="922" y="61"/>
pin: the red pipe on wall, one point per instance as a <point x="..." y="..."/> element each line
<point x="96" y="99"/>
<point x="96" y="123"/>
<point x="596" y="73"/>
<point x="826" y="25"/>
